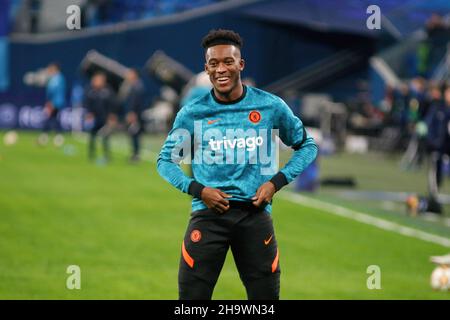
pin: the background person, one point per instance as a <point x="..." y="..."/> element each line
<point x="101" y="117"/>
<point x="132" y="94"/>
<point x="438" y="121"/>
<point x="55" y="102"/>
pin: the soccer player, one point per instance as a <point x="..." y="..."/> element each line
<point x="230" y="131"/>
<point x="55" y="102"/>
<point x="133" y="102"/>
<point x="100" y="103"/>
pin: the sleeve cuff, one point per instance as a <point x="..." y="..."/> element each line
<point x="195" y="189"/>
<point x="279" y="181"/>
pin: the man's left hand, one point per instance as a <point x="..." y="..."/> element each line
<point x="131" y="118"/>
<point x="264" y="194"/>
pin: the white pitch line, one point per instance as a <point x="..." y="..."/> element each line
<point x="365" y="218"/>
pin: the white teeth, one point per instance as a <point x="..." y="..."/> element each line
<point x="222" y="79"/>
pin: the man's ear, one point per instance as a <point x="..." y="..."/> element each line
<point x="242" y="64"/>
<point x="206" y="69"/>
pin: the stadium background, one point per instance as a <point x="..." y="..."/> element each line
<point x="123" y="225"/>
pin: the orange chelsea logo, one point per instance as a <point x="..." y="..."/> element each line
<point x="254" y="116"/>
<point x="196" y="235"/>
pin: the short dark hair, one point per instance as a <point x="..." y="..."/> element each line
<point x="54" y="64"/>
<point x="100" y="73"/>
<point x="221" y="36"/>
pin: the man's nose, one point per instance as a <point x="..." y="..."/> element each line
<point x="221" y="68"/>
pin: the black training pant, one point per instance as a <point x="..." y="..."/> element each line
<point x="249" y="232"/>
<point x="92" y="141"/>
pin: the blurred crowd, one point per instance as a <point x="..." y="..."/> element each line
<point x="432" y="48"/>
<point x="422" y="113"/>
<point x="106" y="110"/>
<point x="99" y="12"/>
<point x="107" y="107"/>
<point x="104" y="12"/>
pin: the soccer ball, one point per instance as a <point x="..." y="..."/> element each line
<point x="440" y="278"/>
<point x="412" y="205"/>
<point x="10" y="138"/>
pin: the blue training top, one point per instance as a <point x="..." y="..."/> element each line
<point x="231" y="146"/>
<point x="56" y="91"/>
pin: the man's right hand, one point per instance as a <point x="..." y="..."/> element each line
<point x="48" y="109"/>
<point x="89" y="117"/>
<point x="215" y="199"/>
<point x="131" y="118"/>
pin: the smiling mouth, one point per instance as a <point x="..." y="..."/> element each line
<point x="222" y="80"/>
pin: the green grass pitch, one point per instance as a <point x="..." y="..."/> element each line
<point x="123" y="226"/>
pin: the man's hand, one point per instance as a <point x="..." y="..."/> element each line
<point x="264" y="194"/>
<point x="89" y="117"/>
<point x="48" y="109"/>
<point x="215" y="199"/>
<point x="131" y="118"/>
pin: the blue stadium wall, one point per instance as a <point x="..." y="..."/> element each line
<point x="271" y="51"/>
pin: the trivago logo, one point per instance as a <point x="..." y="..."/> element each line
<point x="230" y="146"/>
<point x="249" y="143"/>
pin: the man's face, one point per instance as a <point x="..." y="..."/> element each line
<point x="98" y="81"/>
<point x="52" y="70"/>
<point x="131" y="76"/>
<point x="224" y="66"/>
<point x="447" y="96"/>
<point x="435" y="93"/>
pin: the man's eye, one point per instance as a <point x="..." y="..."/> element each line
<point x="212" y="64"/>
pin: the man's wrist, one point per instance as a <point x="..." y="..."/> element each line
<point x="279" y="181"/>
<point x="195" y="189"/>
<point x="273" y="184"/>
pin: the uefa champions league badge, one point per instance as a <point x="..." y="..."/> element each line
<point x="440" y="277"/>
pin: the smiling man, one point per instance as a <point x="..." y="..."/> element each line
<point x="231" y="131"/>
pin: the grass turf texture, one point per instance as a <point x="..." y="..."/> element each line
<point x="123" y="225"/>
